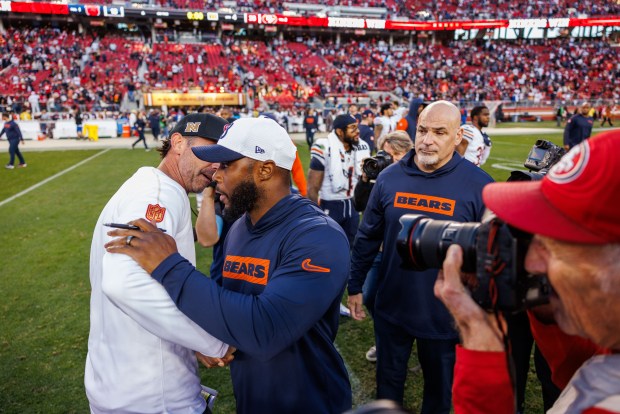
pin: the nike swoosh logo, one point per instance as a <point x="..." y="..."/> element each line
<point x="312" y="268"/>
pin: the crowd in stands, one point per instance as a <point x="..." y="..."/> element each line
<point x="65" y="69"/>
<point x="418" y="9"/>
<point x="537" y="71"/>
<point x="60" y="69"/>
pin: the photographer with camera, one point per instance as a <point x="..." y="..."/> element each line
<point x="393" y="148"/>
<point x="435" y="180"/>
<point x="572" y="215"/>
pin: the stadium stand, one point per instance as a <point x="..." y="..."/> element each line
<point x="110" y="69"/>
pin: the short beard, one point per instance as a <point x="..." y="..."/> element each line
<point x="428" y="161"/>
<point x="242" y="199"/>
<point x="350" y="140"/>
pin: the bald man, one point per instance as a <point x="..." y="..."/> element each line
<point x="433" y="180"/>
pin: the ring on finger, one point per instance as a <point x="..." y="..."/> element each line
<point x="128" y="240"/>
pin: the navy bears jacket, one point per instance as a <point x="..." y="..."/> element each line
<point x="13" y="133"/>
<point x="577" y="129"/>
<point x="405" y="297"/>
<point x="283" y="279"/>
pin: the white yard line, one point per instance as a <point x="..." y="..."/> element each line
<point x="47" y="180"/>
<point x="356" y="386"/>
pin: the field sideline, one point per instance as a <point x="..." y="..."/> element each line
<point x="46" y="235"/>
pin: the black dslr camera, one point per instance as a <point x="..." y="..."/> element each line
<point x="542" y="156"/>
<point x="374" y="165"/>
<point x="492" y="250"/>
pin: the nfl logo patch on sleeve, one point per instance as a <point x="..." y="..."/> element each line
<point x="155" y="212"/>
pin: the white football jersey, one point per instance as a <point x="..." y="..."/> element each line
<point x="475" y="150"/>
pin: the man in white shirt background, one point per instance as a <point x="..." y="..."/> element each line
<point x="335" y="168"/>
<point x="385" y="123"/>
<point x="476" y="145"/>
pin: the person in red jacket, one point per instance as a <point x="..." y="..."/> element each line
<point x="573" y="215"/>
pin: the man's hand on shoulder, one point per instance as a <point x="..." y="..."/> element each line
<point x="148" y="246"/>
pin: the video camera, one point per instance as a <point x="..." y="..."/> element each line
<point x="542" y="156"/>
<point x="492" y="250"/>
<point x="374" y="165"/>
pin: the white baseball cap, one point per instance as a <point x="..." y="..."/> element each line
<point x="260" y="138"/>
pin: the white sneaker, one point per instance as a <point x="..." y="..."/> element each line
<point x="11" y="167"/>
<point x="22" y="165"/>
<point x="344" y="311"/>
<point x="371" y="355"/>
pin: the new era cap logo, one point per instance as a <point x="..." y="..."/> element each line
<point x="259" y="150"/>
<point x="226" y="127"/>
<point x="192" y="126"/>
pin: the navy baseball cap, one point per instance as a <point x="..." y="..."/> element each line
<point x="343" y="121"/>
<point x="367" y="113"/>
<point x="200" y="125"/>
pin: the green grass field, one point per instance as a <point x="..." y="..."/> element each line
<point x="44" y="312"/>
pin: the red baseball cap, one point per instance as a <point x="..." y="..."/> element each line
<point x="577" y="201"/>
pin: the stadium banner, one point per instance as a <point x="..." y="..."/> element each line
<point x="194" y="99"/>
<point x="410" y="25"/>
<point x="115" y="11"/>
<point x="38" y="8"/>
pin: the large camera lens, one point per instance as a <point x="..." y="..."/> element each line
<point x="373" y="166"/>
<point x="422" y="242"/>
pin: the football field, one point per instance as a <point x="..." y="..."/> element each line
<point x="48" y="211"/>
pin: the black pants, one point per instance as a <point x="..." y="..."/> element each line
<point x="14" y="150"/>
<point x="607" y="119"/>
<point x="521" y="341"/>
<point x="343" y="213"/>
<point x="436" y="357"/>
<point x="140" y="138"/>
<point x="310" y="137"/>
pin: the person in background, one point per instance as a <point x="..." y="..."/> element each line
<point x="475" y="146"/>
<point x="397" y="144"/>
<point x="606" y="116"/>
<point x="355" y="112"/>
<point x="77" y="116"/>
<point x="415" y="108"/>
<point x="578" y="127"/>
<point x="367" y="133"/>
<point x="14" y="136"/>
<point x="384" y="124"/>
<point x="153" y="119"/>
<point x="335" y="168"/>
<point x="559" y="115"/>
<point x="311" y="124"/>
<point x="140" y="126"/>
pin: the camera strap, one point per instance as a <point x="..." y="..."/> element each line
<point x="494" y="265"/>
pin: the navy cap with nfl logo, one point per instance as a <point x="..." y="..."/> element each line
<point x="200" y="125"/>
